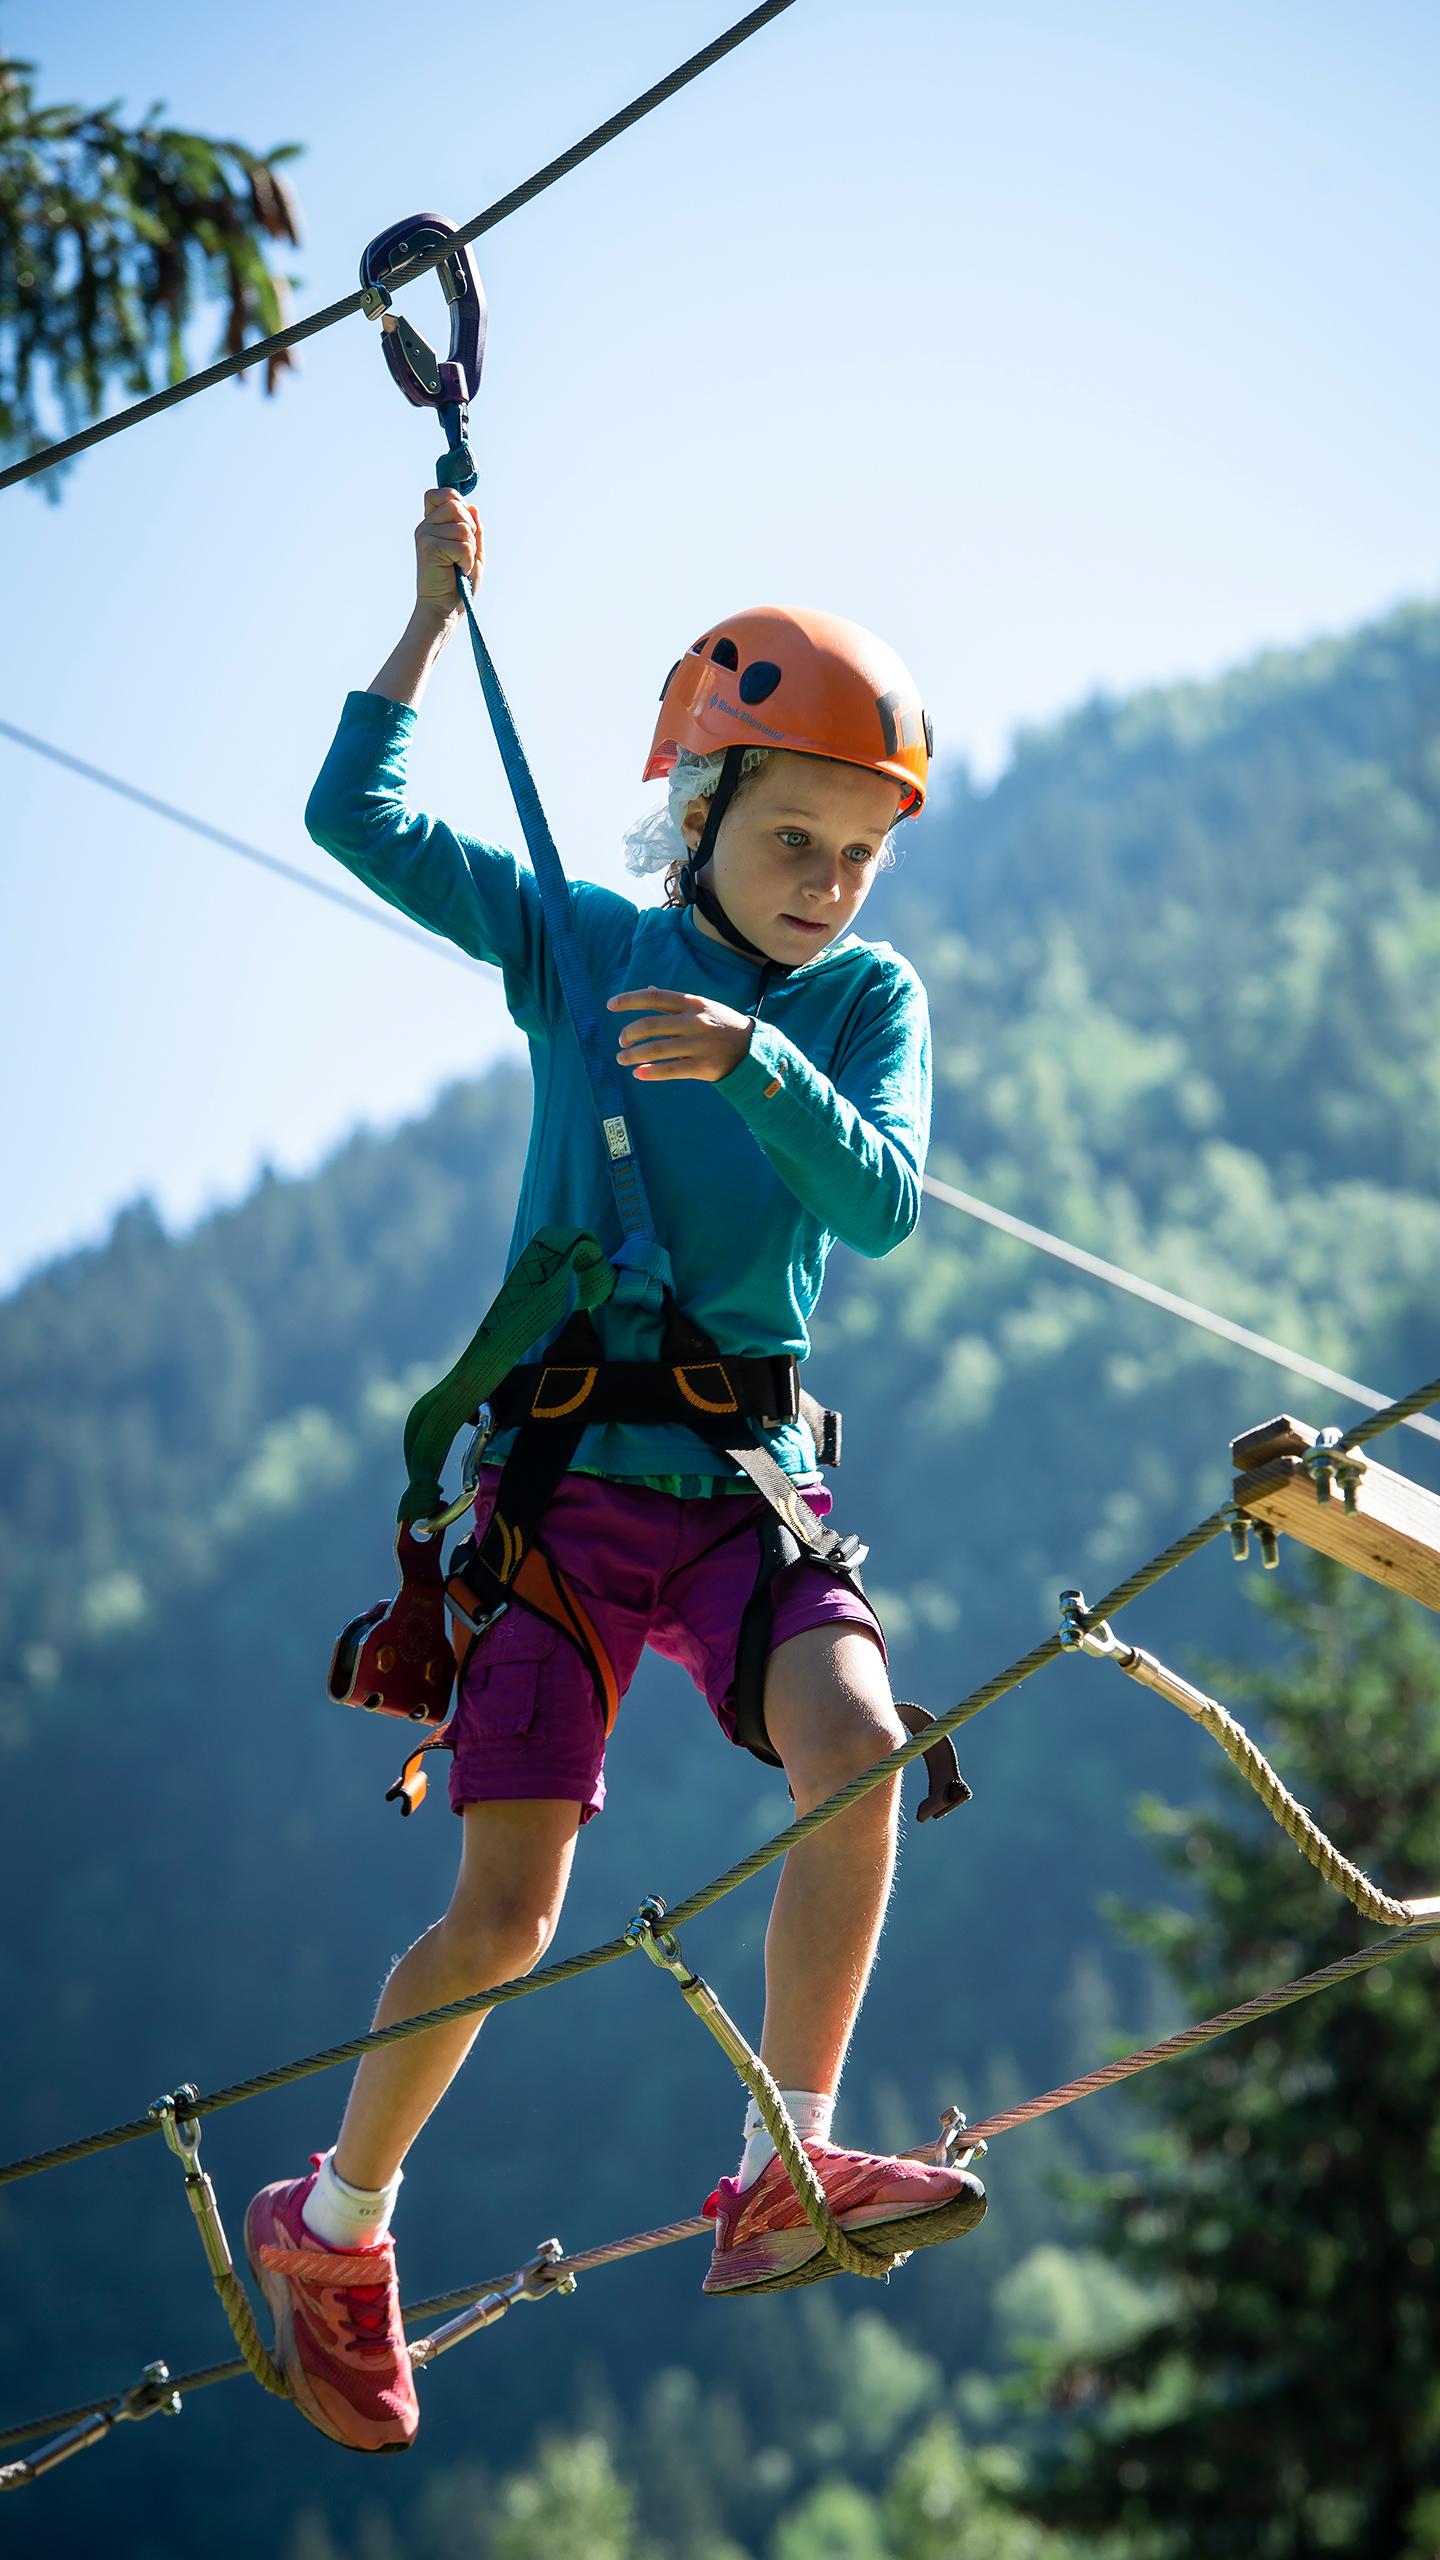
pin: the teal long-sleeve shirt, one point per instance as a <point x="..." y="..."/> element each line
<point x="818" y="1134"/>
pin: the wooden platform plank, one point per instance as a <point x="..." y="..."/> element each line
<point x="1392" y="1535"/>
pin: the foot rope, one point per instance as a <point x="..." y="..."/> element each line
<point x="654" y="1930"/>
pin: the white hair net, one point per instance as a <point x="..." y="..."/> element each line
<point x="655" y="841"/>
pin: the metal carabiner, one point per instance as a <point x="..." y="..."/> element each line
<point x="445" y="383"/>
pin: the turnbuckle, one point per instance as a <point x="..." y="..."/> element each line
<point x="546" y="2274"/>
<point x="182" y="2136"/>
<point x="153" y="2395"/>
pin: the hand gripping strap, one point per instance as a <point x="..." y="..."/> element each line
<point x="535" y="1297"/>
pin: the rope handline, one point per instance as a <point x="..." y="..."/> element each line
<point x="1082" y="1633"/>
<point x="1188" y="1309"/>
<point x="1009" y="2119"/>
<point x="352" y="304"/>
<point x="569" y="1967"/>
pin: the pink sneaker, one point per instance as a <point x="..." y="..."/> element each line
<point x="338" y="2338"/>
<point x="763" y="2241"/>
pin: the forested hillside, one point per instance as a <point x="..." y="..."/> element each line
<point x="1182" y="959"/>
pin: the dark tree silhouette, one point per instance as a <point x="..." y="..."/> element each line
<point x="113" y="239"/>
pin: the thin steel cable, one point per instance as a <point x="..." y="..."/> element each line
<point x="1114" y="1274"/>
<point x="1402" y="1411"/>
<point x="372" y="911"/>
<point x="32" y="464"/>
<point x="1263" y="2005"/>
<point x="369" y="910"/>
<point x="570" y="1966"/>
<point x="1008" y="2120"/>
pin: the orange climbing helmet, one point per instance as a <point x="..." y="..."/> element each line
<point x="808" y="682"/>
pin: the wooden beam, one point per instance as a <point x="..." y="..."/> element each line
<point x="1392" y="1533"/>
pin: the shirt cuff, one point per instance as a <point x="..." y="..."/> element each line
<point x="772" y="1073"/>
<point x="377" y="712"/>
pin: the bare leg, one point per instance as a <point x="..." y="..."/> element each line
<point x="830" y="1715"/>
<point x="514" y="1868"/>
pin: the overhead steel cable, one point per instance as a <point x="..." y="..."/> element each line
<point x="369" y="911"/>
<point x="353" y="303"/>
<point x="1186" y="1308"/>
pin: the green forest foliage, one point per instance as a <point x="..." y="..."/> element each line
<point x="113" y="238"/>
<point x="1180" y="959"/>
<point x="1283" y="2396"/>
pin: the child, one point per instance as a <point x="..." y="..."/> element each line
<point x="792" y="743"/>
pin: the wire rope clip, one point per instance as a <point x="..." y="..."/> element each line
<point x="1331" y="1467"/>
<point x="182" y="2136"/>
<point x="953" y="2148"/>
<point x="445" y="383"/>
<point x="545" y="2274"/>
<point x="154" y="2395"/>
<point x="1077" y="1635"/>
<point x="660" y="1944"/>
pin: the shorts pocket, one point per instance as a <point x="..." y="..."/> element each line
<point x="505" y="1671"/>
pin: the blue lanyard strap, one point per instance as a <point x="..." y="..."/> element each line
<point x="642" y="1261"/>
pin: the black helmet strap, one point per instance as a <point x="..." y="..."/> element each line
<point x="695" y="888"/>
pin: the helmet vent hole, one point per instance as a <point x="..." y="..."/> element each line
<point x="725" y="654"/>
<point x="759" y="680"/>
<point x="675" y="670"/>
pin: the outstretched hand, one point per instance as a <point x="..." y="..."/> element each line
<point x="680" y="1036"/>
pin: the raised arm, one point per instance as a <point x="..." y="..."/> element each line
<point x="448" y="537"/>
<point x="476" y="894"/>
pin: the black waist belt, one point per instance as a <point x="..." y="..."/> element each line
<point x="700" y="1392"/>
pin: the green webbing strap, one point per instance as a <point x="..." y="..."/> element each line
<point x="536" y="1297"/>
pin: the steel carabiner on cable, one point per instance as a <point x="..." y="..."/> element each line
<point x="445" y="383"/>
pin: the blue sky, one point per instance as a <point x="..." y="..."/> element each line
<point x="1070" y="347"/>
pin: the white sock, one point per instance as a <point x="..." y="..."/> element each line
<point x="812" y="2113"/>
<point x="346" y="2217"/>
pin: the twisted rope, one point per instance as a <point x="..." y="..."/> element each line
<point x="611" y="2252"/>
<point x="235" y="2303"/>
<point x="569" y="1967"/>
<point x="1400" y="1411"/>
<point x="1189" y="2040"/>
<point x="1284" y="1808"/>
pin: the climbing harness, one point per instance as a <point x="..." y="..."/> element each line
<point x="1286" y="1483"/>
<point x="400" y="1657"/>
<point x="655" y="1932"/>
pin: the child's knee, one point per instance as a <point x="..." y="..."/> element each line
<point x="825" y="1740"/>
<point x="497" y="1941"/>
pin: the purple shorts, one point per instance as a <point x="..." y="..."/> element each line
<point x="648" y="1569"/>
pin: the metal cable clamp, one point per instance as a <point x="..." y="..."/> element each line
<point x="545" y="2275"/>
<point x="153" y="2395"/>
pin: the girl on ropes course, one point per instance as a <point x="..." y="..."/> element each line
<point x="777" y="1076"/>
